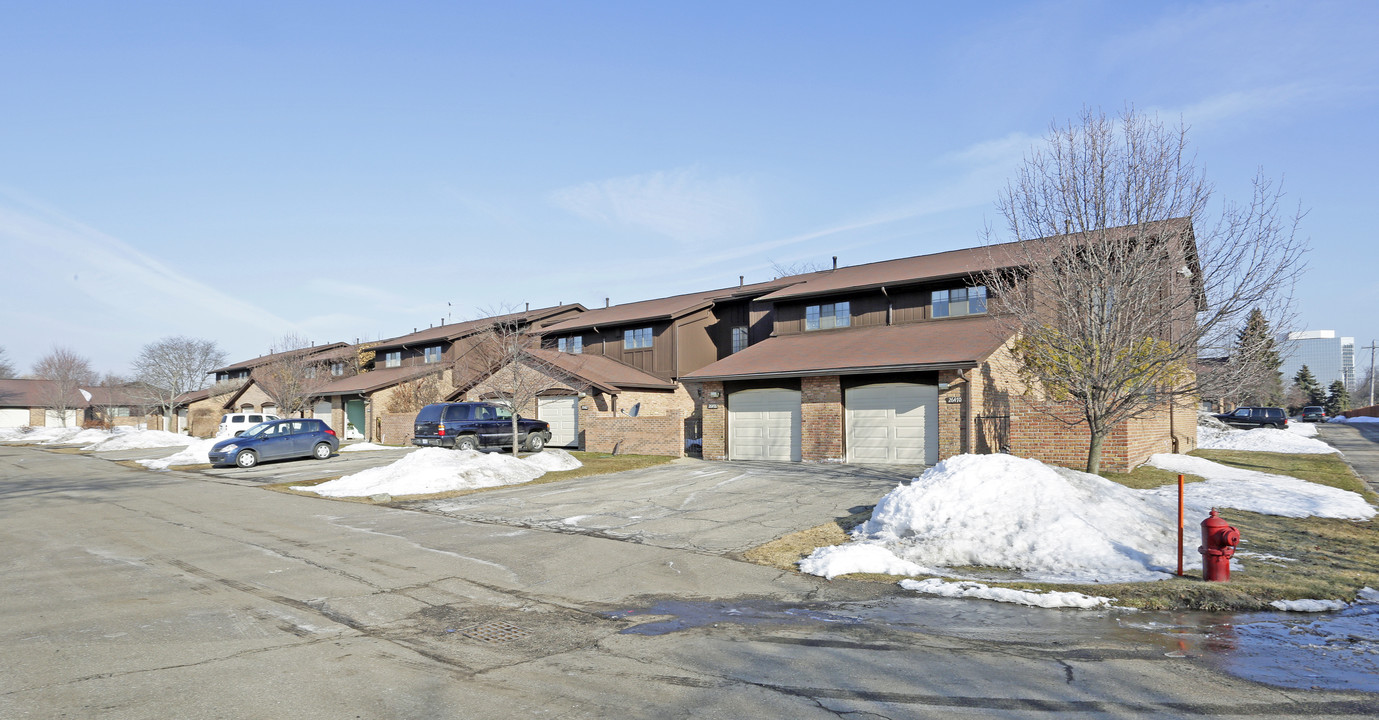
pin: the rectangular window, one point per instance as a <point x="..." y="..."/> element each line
<point x="739" y="338"/>
<point x="309" y="371"/>
<point x="639" y="338"/>
<point x="958" y="302"/>
<point x="337" y="369"/>
<point x="573" y="345"/>
<point x="828" y="316"/>
<point x="433" y="354"/>
<point x="392" y="359"/>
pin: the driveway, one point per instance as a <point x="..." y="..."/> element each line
<point x="720" y="508"/>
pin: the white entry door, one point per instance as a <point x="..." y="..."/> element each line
<point x="764" y="425"/>
<point x="562" y="412"/>
<point x="892" y="423"/>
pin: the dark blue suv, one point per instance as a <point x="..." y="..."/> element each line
<point x="471" y="425"/>
<point x="276" y="440"/>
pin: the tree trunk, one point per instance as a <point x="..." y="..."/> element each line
<point x="1094" y="450"/>
<point x="514" y="434"/>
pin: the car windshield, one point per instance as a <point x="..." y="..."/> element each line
<point x="257" y="430"/>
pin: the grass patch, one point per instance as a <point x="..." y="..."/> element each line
<point x="1326" y="558"/>
<point x="593" y="464"/>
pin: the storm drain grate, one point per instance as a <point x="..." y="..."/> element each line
<point x="496" y="632"/>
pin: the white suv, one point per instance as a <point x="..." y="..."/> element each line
<point x="235" y="422"/>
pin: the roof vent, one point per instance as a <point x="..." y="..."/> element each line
<point x="835" y="262"/>
<point x="605" y="302"/>
<point x="740" y="280"/>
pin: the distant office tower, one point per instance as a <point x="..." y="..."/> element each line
<point x="1330" y="358"/>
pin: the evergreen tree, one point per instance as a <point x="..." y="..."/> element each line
<point x="1337" y="399"/>
<point x="1306" y="382"/>
<point x="1255" y="341"/>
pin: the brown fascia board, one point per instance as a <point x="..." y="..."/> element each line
<point x="456" y="331"/>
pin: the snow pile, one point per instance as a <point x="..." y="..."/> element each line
<point x="1361" y="419"/>
<point x="197" y="453"/>
<point x="1309" y="605"/>
<point x="935" y="586"/>
<point x="51" y="435"/>
<point x="1208" y="420"/>
<point x="1255" y="491"/>
<point x="364" y="446"/>
<point x="139" y="440"/>
<point x="1305" y="429"/>
<point x="1263" y="440"/>
<point x="433" y="470"/>
<point x="1054" y="524"/>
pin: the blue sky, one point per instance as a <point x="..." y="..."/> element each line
<point x="346" y="171"/>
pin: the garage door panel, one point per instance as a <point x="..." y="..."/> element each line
<point x="764" y="425"/>
<point x="892" y="423"/>
<point x="562" y="412"/>
<point x="14" y="417"/>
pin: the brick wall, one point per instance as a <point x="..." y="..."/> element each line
<point x="394" y="428"/>
<point x="641" y="435"/>
<point x="715" y="422"/>
<point x="821" y="419"/>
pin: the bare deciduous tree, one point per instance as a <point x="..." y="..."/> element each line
<point x="516" y="367"/>
<point x="68" y="373"/>
<point x="168" y="368"/>
<point x="413" y="395"/>
<point x="6" y="367"/>
<point x="800" y="267"/>
<point x="294" y="379"/>
<point x="1120" y="279"/>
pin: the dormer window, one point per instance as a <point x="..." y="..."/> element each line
<point x="433" y="354"/>
<point x="739" y="338"/>
<point x="392" y="359"/>
<point x="828" y="316"/>
<point x="639" y="338"/>
<point x="337" y="369"/>
<point x="959" y="301"/>
<point x="573" y="345"/>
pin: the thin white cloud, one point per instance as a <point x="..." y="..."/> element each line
<point x="679" y="204"/>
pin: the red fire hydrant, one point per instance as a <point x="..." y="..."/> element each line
<point x="1218" y="545"/>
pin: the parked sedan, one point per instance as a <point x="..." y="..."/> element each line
<point x="1314" y="413"/>
<point x="277" y="440"/>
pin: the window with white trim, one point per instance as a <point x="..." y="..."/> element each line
<point x="958" y="302"/>
<point x="828" y="316"/>
<point x="392" y="359"/>
<point x="433" y="354"/>
<point x="337" y="369"/>
<point x="639" y="338"/>
<point x="739" y="338"/>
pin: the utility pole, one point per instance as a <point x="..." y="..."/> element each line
<point x="1370" y="347"/>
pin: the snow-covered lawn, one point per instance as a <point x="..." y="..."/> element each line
<point x="197" y="453"/>
<point x="366" y="446"/>
<point x="1297" y="438"/>
<point x="119" y="438"/>
<point x="433" y="470"/>
<point x="1055" y="524"/>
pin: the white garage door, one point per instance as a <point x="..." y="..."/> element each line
<point x="562" y="412"/>
<point x="53" y="418"/>
<point x="14" y="417"/>
<point x="892" y="423"/>
<point x="322" y="411"/>
<point x="764" y="425"/>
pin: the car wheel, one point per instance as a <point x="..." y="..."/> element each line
<point x="466" y="442"/>
<point x="535" y="443"/>
<point x="322" y="451"/>
<point x="247" y="458"/>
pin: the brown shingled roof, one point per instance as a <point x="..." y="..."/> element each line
<point x="324" y="351"/>
<point x="959" y="342"/>
<point x="667" y="308"/>
<point x="376" y="379"/>
<point x="469" y="327"/>
<point x="603" y="372"/>
<point x="31" y="393"/>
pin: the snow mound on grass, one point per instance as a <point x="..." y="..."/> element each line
<point x="1052" y="524"/>
<point x="1310" y="605"/>
<point x="365" y="446"/>
<point x="197" y="453"/>
<point x="1361" y="419"/>
<point x="53" y="435"/>
<point x="1254" y="491"/>
<point x="936" y="586"/>
<point x="1262" y="440"/>
<point x="1058" y="525"/>
<point x="433" y="470"/>
<point x="1305" y="429"/>
<point x="140" y="440"/>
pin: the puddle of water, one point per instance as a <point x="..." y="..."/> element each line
<point x="1331" y="651"/>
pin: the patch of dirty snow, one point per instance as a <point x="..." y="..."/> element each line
<point x="434" y="470"/>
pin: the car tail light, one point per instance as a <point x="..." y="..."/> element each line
<point x="441" y="431"/>
<point x="329" y="431"/>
